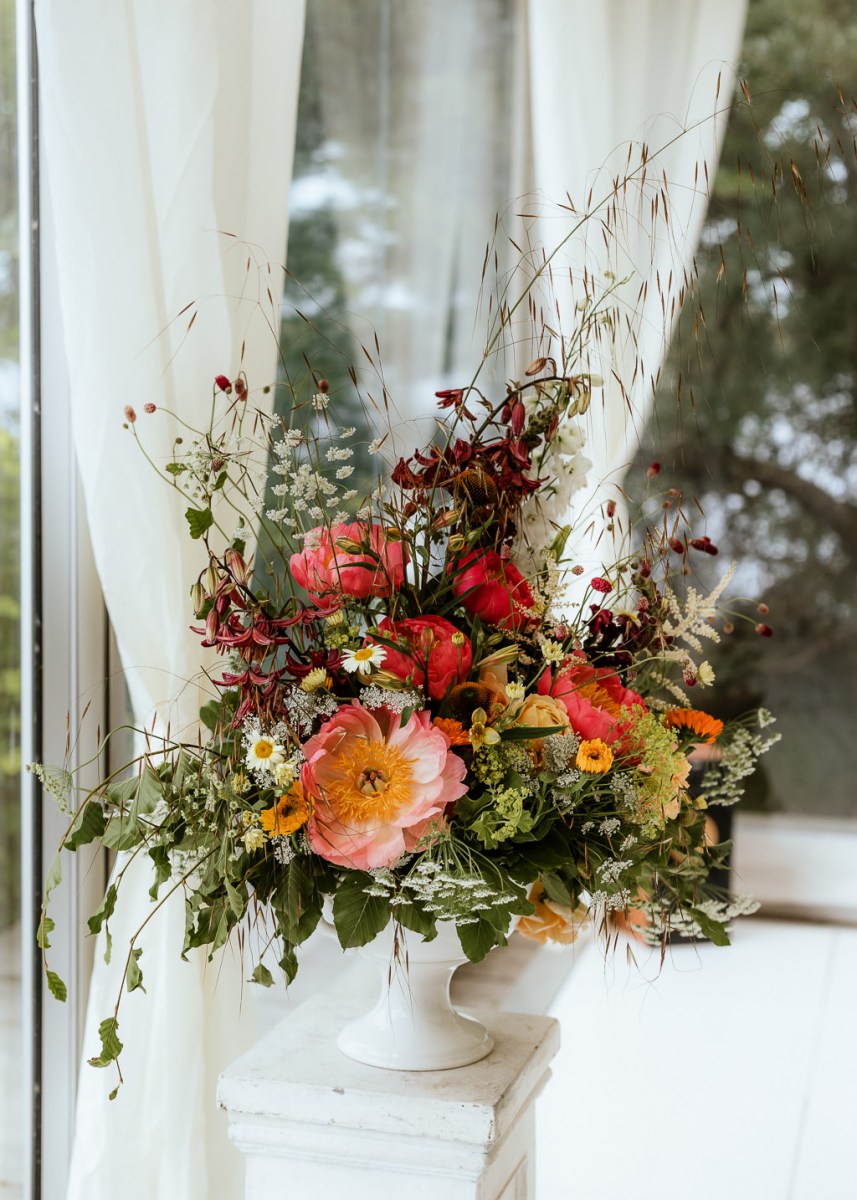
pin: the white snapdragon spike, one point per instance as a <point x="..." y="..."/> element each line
<point x="364" y="660"/>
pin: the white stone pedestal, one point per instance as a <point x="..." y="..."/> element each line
<point x="314" y="1124"/>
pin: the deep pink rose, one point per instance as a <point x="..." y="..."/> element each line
<point x="332" y="563"/>
<point x="593" y="698"/>
<point x="377" y="786"/>
<point x="427" y="642"/>
<point x="493" y="589"/>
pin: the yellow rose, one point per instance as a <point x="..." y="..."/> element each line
<point x="551" y="922"/>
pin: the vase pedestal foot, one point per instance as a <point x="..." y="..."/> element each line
<point x="308" y="1117"/>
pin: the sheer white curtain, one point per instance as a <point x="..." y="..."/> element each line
<point x="166" y="126"/>
<point x="641" y="72"/>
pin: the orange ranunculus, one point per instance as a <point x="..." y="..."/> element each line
<point x="551" y="922"/>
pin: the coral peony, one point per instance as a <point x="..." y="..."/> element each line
<point x="350" y="560"/>
<point x="376" y="786"/>
<point x="593" y="698"/>
<point x="493" y="589"/>
<point x="432" y="647"/>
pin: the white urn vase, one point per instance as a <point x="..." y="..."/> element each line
<point x="413" y="1025"/>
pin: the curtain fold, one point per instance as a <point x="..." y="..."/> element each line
<point x="168" y="136"/>
<point x="642" y="73"/>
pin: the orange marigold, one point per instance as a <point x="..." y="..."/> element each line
<point x="289" y="813"/>
<point x="705" y="727"/>
<point x="594" y="756"/>
<point x="454" y="730"/>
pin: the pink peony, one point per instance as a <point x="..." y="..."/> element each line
<point x="376" y="786"/>
<point x="593" y="698"/>
<point x="428" y="645"/>
<point x="348" y="560"/>
<point x="493" y="589"/>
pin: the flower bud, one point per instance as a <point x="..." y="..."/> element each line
<point x="223" y="383"/>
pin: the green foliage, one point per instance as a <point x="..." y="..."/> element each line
<point x="199" y="521"/>
<point x="57" y="988"/>
<point x="358" y="917"/>
<point x="111" y="1047"/>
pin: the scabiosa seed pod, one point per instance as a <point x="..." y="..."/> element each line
<point x="652" y="470"/>
<point x="600" y="584"/>
<point x="577" y="570"/>
<point x="150" y="408"/>
<point x="677" y="545"/>
<point x="764" y="631"/>
<point x="645" y="568"/>
<point x="223" y="383"/>
<point x="240" y="389"/>
<point x="130" y="414"/>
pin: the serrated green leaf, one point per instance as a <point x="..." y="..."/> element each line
<point x="479" y="938"/>
<point x="262" y="976"/>
<point x="176" y="468"/>
<point x="289" y="963"/>
<point x="555" y="889"/>
<point x="163" y="868"/>
<point x="57" y="988"/>
<point x="357" y="917"/>
<point x="46" y="926"/>
<point x="199" y="520"/>
<point x="105" y="911"/>
<point x="412" y="917"/>
<point x="237" y="902"/>
<point x="88" y="826"/>
<point x="134" y="976"/>
<point x="111" y="1047"/>
<point x="715" y="931"/>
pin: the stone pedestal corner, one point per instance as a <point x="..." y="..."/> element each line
<point x="305" y="1116"/>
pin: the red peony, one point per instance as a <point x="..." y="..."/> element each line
<point x="593" y="698"/>
<point x="493" y="589"/>
<point x="334" y="563"/>
<point x="427" y="646"/>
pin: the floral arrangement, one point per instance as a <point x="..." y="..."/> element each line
<point x="414" y="717"/>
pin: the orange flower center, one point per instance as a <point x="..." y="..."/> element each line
<point x="599" y="697"/>
<point x="374" y="781"/>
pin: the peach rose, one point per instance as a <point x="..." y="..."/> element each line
<point x="551" y="922"/>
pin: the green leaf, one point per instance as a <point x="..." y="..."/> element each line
<point x="163" y="869"/>
<point x="53" y="878"/>
<point x="412" y="917"/>
<point x="219" y="482"/>
<point x="133" y="975"/>
<point x="88" y="826"/>
<point x="210" y="715"/>
<point x="297" y="902"/>
<point x="111" y="1047"/>
<point x="57" y="988"/>
<point x="477" y="939"/>
<point x="46" y="926"/>
<point x="715" y="931"/>
<point x="555" y="889"/>
<point x="105" y="912"/>
<point x="407" y="713"/>
<point x="289" y="963"/>
<point x="176" y="468"/>
<point x="199" y="520"/>
<point x="358" y="918"/>
<point x="237" y="902"/>
<point x="263" y="976"/>
<point x="526" y="733"/>
<point x="108" y="944"/>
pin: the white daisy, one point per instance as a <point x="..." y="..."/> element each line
<point x="264" y="754"/>
<point x="363" y="660"/>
